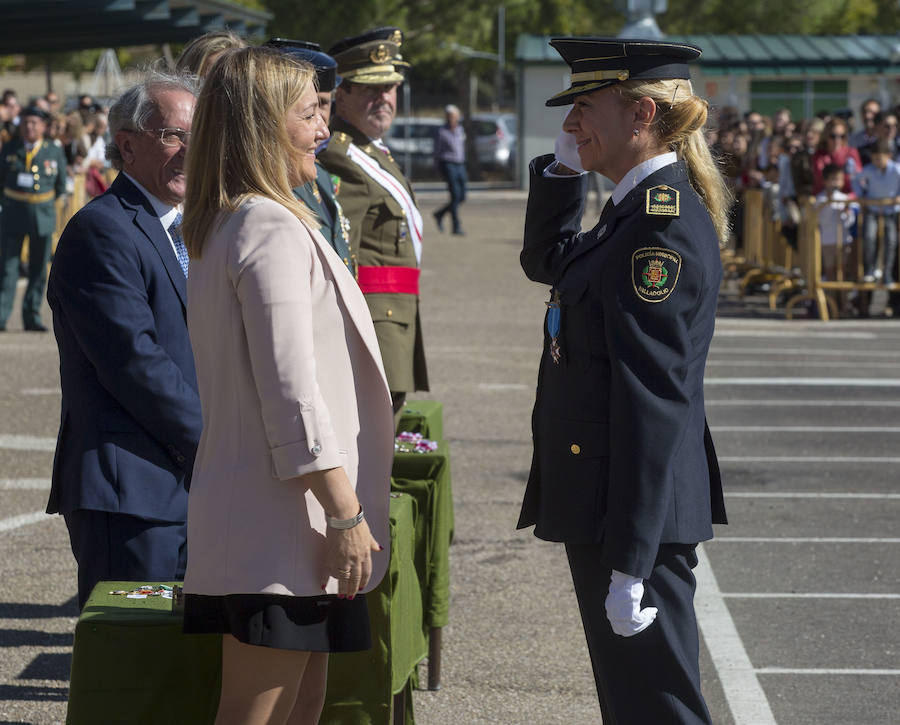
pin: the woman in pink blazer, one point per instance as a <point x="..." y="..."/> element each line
<point x="290" y="490"/>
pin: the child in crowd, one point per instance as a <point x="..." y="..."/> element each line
<point x="836" y="218"/>
<point x="879" y="185"/>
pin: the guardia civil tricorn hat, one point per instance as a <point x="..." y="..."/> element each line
<point x="372" y="58"/>
<point x="600" y="62"/>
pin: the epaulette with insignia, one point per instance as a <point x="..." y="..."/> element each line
<point x="662" y="201"/>
<point x="339" y="141"/>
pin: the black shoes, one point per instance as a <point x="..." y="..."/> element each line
<point x="439" y="220"/>
<point x="35" y="327"/>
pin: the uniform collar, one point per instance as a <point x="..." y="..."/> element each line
<point x="641" y="172"/>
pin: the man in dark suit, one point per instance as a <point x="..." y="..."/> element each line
<point x="130" y="419"/>
<point x="385" y="223"/>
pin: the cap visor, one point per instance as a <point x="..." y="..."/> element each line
<point x="375" y="79"/>
<point x="564" y="98"/>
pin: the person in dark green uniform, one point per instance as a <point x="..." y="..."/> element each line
<point x="319" y="195"/>
<point x="385" y="222"/>
<point x="33" y="170"/>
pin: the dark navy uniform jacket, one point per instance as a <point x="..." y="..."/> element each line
<point x="622" y="454"/>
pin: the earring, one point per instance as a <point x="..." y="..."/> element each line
<point x="635" y="132"/>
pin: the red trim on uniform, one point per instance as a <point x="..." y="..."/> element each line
<point x="397" y="280"/>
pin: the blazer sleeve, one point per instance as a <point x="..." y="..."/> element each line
<point x="97" y="282"/>
<point x="552" y="221"/>
<point x="271" y="265"/>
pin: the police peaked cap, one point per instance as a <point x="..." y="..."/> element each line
<point x="600" y="62"/>
<point x="372" y="58"/>
<point x="325" y="65"/>
<point x="34" y="111"/>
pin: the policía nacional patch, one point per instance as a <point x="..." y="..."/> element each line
<point x="662" y="201"/>
<point x="654" y="272"/>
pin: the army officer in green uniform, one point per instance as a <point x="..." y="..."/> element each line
<point x="33" y="170"/>
<point x="385" y="223"/>
<point x="318" y="195"/>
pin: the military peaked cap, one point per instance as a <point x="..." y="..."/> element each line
<point x="600" y="62"/>
<point x="34" y="111"/>
<point x="325" y="65"/>
<point x="372" y="58"/>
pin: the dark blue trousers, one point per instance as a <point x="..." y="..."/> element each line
<point x="118" y="547"/>
<point x="653" y="676"/>
<point x="455" y="176"/>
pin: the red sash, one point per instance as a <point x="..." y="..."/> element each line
<point x="396" y="280"/>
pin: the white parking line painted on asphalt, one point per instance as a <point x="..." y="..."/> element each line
<point x="503" y="386"/>
<point x="855" y="364"/>
<point x="795" y="334"/>
<point x="809" y="459"/>
<point x="766" y="494"/>
<point x="744" y="695"/>
<point x="807" y="351"/>
<point x="805" y="403"/>
<point x="822" y="671"/>
<point x="24" y="484"/>
<point x="42" y="391"/>
<point x="805" y="540"/>
<point x="803" y="429"/>
<point x="27" y="443"/>
<point x="14" y="522"/>
<point x="810" y="382"/>
<point x="805" y="595"/>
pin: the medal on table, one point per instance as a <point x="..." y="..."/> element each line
<point x="553" y="316"/>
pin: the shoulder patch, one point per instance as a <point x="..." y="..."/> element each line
<point x="662" y="201"/>
<point x="654" y="272"/>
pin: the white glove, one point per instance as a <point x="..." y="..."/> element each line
<point x="566" y="151"/>
<point x="623" y="605"/>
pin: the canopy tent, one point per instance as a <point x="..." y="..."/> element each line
<point x="47" y="26"/>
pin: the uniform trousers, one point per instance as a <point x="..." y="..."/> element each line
<point x="38" y="255"/>
<point x="118" y="547"/>
<point x="653" y="676"/>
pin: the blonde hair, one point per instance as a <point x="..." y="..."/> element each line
<point x="679" y="121"/>
<point x="200" y="53"/>
<point x="240" y="146"/>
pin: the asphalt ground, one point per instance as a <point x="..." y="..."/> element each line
<point x="797" y="598"/>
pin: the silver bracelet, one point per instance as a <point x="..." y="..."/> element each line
<point x="345" y="523"/>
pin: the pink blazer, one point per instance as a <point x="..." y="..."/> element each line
<point x="291" y="381"/>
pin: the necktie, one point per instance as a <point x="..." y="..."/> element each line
<point x="178" y="242"/>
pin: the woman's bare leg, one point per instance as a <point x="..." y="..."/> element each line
<point x="311" y="697"/>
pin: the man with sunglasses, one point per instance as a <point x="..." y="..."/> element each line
<point x="130" y="419"/>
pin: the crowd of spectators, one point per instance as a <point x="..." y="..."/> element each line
<point x="82" y="131"/>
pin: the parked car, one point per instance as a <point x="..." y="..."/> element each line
<point x="495" y="141"/>
<point x="414" y="138"/>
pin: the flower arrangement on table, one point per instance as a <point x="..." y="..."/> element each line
<point x="409" y="442"/>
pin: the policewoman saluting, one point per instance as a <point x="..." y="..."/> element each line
<point x="624" y="471"/>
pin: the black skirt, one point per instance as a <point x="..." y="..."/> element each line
<point x="310" y="624"/>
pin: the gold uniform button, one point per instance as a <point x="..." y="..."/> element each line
<point x="575" y="448"/>
<point x="37" y="176"/>
<point x="390" y="313"/>
<point x="37" y="187"/>
<point x="34" y="168"/>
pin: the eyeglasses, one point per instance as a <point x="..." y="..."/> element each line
<point x="170" y="136"/>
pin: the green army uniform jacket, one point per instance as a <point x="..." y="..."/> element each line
<point x="318" y="195"/>
<point x="380" y="238"/>
<point x="35" y="200"/>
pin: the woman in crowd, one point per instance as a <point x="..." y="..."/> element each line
<point x="293" y="466"/>
<point x="834" y="150"/>
<point x="624" y="471"/>
<point x="198" y="56"/>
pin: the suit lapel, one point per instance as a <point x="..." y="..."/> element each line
<point x="146" y="220"/>
<point x="348" y="290"/>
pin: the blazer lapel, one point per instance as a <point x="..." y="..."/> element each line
<point x="348" y="290"/>
<point x="146" y="220"/>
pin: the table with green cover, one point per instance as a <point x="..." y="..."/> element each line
<point x="131" y="660"/>
<point x="426" y="477"/>
<point x="423" y="416"/>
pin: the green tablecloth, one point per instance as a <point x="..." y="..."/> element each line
<point x="423" y="416"/>
<point x="426" y="477"/>
<point x="131" y="660"/>
<point x="361" y="685"/>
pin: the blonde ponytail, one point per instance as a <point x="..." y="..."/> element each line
<point x="679" y="122"/>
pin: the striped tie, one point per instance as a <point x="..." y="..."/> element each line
<point x="178" y="242"/>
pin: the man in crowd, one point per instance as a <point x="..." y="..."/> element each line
<point x="318" y="195"/>
<point x="385" y="223"/>
<point x="33" y="173"/>
<point x="130" y="419"/>
<point x="866" y="134"/>
<point x="9" y="114"/>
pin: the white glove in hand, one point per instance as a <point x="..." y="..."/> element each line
<point x="566" y="152"/>
<point x="623" y="605"/>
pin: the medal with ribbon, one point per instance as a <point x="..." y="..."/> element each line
<point x="553" y="317"/>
